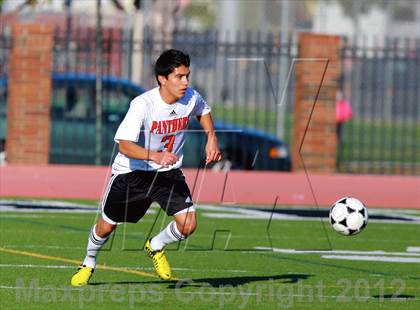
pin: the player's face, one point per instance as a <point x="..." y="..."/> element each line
<point x="176" y="84"/>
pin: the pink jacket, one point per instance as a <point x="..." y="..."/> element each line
<point x="343" y="111"/>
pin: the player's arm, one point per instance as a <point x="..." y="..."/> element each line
<point x="129" y="131"/>
<point x="132" y="150"/>
<point x="212" y="149"/>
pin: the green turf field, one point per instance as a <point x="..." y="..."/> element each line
<point x="220" y="267"/>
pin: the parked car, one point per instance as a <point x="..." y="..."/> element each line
<point x="73" y="127"/>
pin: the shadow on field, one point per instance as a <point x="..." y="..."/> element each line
<point x="237" y="281"/>
<point x="395" y="297"/>
<point x="219" y="282"/>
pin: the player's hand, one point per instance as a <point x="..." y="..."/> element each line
<point x="212" y="150"/>
<point x="165" y="158"/>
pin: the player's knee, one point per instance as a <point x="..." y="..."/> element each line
<point x="187" y="227"/>
<point x="103" y="228"/>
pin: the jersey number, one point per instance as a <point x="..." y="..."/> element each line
<point x="170" y="145"/>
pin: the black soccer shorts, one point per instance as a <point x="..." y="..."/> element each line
<point x="130" y="195"/>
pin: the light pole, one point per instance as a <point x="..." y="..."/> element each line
<point x="98" y="85"/>
<point x="284" y="66"/>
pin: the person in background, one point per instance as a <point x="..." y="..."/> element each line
<point x="343" y="113"/>
<point x="2" y="152"/>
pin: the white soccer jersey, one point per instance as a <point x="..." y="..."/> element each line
<point x="163" y="125"/>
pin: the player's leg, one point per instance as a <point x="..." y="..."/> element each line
<point x="180" y="228"/>
<point x="98" y="236"/>
<point x="186" y="222"/>
<point x="100" y="232"/>
<point x="173" y="195"/>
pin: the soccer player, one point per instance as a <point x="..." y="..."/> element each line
<point x="142" y="175"/>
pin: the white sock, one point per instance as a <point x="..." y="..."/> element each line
<point x="95" y="243"/>
<point x="169" y="235"/>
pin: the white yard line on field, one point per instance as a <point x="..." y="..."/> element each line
<point x="393" y="259"/>
<point x="379" y="252"/>
<point x="413" y="249"/>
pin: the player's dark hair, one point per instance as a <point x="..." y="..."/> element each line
<point x="168" y="61"/>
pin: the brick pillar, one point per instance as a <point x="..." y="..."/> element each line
<point x="320" y="142"/>
<point x="29" y="94"/>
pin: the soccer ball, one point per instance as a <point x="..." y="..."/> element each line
<point x="348" y="216"/>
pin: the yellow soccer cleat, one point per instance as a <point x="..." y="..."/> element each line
<point x="160" y="263"/>
<point x="82" y="276"/>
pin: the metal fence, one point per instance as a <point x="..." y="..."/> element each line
<point x="381" y="81"/>
<point x="242" y="75"/>
<point x="239" y="75"/>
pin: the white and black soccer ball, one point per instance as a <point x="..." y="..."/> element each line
<point x="348" y="216"/>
